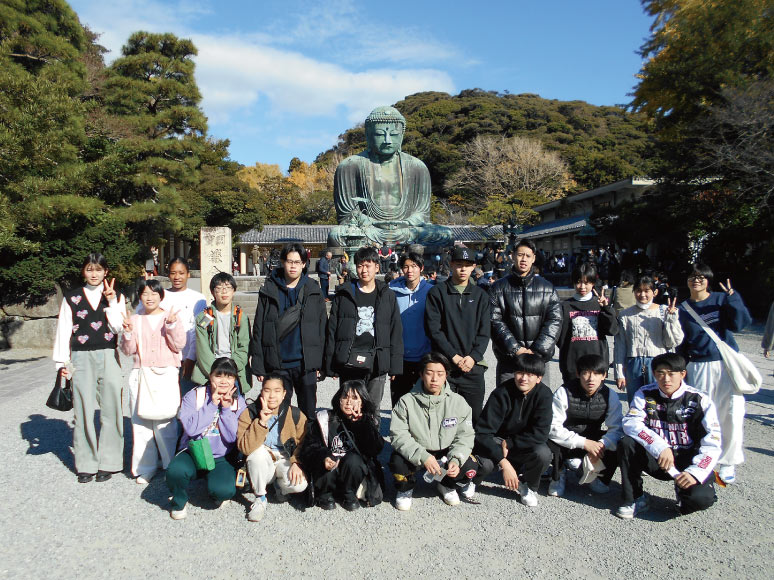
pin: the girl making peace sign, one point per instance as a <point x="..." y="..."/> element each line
<point x="725" y="313"/>
<point x="156" y="339"/>
<point x="85" y="347"/>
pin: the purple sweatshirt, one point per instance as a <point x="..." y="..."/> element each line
<point x="194" y="421"/>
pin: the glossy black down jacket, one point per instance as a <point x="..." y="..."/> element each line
<point x="525" y="313"/>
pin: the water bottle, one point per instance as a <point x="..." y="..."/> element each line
<point x="430" y="478"/>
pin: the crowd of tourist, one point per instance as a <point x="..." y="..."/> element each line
<point x="425" y="331"/>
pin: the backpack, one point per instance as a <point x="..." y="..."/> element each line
<point x="236" y="312"/>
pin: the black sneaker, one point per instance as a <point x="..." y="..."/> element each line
<point x="85" y="477"/>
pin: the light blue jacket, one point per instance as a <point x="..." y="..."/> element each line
<point x="416" y="344"/>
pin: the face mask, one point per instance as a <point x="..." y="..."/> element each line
<point x="642" y="306"/>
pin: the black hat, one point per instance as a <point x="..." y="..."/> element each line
<point x="461" y="254"/>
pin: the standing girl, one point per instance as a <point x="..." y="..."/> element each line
<point x="587" y="319"/>
<point x="155" y="338"/>
<point x="187" y="303"/>
<point x="645" y="330"/>
<point x="86" y="339"/>
<point x="725" y="313"/>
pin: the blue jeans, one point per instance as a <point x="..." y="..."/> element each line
<point x="637" y="373"/>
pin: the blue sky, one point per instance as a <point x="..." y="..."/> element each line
<point x="283" y="79"/>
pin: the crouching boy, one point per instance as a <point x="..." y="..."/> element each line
<point x="580" y="409"/>
<point x="270" y="433"/>
<point x="430" y="423"/>
<point x="670" y="432"/>
<point x="512" y="431"/>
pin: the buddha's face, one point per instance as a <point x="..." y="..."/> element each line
<point x="385" y="139"/>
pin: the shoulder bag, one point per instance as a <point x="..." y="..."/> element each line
<point x="745" y="377"/>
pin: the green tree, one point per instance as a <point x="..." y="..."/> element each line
<point x="706" y="88"/>
<point x="47" y="224"/>
<point x="152" y="87"/>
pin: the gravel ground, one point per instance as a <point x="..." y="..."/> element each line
<point x="55" y="527"/>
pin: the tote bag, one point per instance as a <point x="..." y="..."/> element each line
<point x="158" y="392"/>
<point x="745" y="377"/>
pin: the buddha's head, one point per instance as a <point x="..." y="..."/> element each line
<point x="384" y="128"/>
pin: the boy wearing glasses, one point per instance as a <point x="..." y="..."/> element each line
<point x="222" y="331"/>
<point x="289" y="329"/>
<point x="671" y="432"/>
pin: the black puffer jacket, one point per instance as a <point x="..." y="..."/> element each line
<point x="341" y="331"/>
<point x="265" y="345"/>
<point x="525" y="313"/>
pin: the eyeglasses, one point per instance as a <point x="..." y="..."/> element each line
<point x="223" y="288"/>
<point x="293" y="262"/>
<point x="696" y="278"/>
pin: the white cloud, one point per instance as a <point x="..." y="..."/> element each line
<point x="233" y="73"/>
<point x="325" y="66"/>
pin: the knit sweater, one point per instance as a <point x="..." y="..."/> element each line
<point x="648" y="332"/>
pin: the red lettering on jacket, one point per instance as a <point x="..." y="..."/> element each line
<point x="645" y="437"/>
<point x="705" y="461"/>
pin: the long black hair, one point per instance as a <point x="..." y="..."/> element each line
<point x="367" y="406"/>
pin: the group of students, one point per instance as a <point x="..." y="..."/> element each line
<point x="429" y="339"/>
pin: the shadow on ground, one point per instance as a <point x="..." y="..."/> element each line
<point x="45" y="435"/>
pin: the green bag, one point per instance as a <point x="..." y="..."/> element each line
<point x="201" y="453"/>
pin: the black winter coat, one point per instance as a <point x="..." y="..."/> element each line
<point x="522" y="420"/>
<point x="525" y="313"/>
<point x="458" y="323"/>
<point x="264" y="344"/>
<point x="315" y="449"/>
<point x="387" y="325"/>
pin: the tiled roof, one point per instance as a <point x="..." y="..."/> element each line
<point x="287" y="233"/>
<point x="278" y="234"/>
<point x="556" y="226"/>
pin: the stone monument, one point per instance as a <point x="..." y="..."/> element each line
<point x="216" y="256"/>
<point x="382" y="195"/>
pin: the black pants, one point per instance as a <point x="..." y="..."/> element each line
<point x="529" y="465"/>
<point x="609" y="460"/>
<point x="324" y="280"/>
<point x="374" y="385"/>
<point x="305" y="385"/>
<point x="634" y="459"/>
<point x="471" y="387"/>
<point x="405" y="382"/>
<point x="345" y="479"/>
<point x="404" y="472"/>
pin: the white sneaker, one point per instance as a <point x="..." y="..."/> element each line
<point x="640" y="505"/>
<point x="727" y="473"/>
<point x="556" y="488"/>
<point x="257" y="510"/>
<point x="574" y="463"/>
<point x="528" y="497"/>
<point x="403" y="500"/>
<point x="598" y="487"/>
<point x="469" y="490"/>
<point x="448" y="494"/>
<point x="179" y="514"/>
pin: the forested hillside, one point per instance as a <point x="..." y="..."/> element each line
<point x="599" y="144"/>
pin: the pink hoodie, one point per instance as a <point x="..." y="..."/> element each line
<point x="160" y="348"/>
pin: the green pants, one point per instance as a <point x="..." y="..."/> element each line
<point x="221" y="481"/>
<point x="97" y="382"/>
